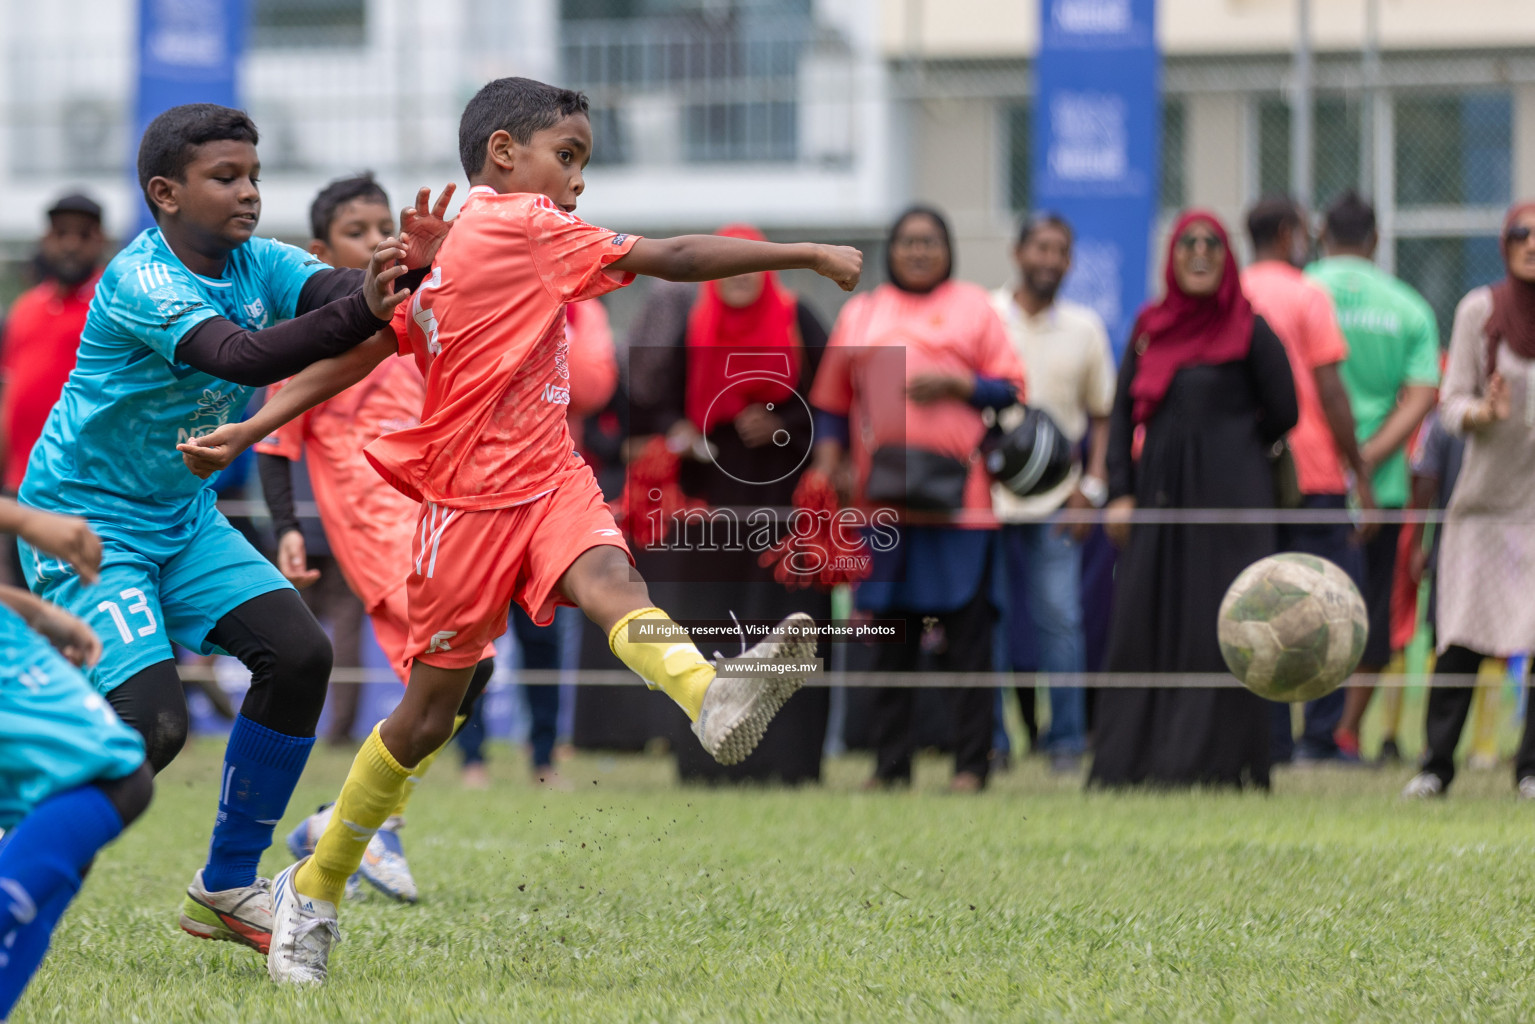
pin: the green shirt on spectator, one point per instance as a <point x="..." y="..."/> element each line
<point x="1393" y="342"/>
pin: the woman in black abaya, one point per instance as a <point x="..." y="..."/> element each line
<point x="1204" y="392"/>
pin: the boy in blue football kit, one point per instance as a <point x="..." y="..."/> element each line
<point x="186" y="320"/>
<point x="72" y="775"/>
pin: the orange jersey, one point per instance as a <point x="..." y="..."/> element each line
<point x="369" y="524"/>
<point x="488" y="326"/>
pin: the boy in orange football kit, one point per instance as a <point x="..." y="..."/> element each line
<point x="369" y="524"/>
<point x="509" y="512"/>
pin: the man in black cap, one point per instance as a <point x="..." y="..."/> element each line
<point x="42" y="331"/>
<point x="72" y="250"/>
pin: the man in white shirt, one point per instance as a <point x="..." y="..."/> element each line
<point x="1070" y="369"/>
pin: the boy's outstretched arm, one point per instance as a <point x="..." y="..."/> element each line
<point x="711" y="257"/>
<point x="317" y="382"/>
<point x="258" y="358"/>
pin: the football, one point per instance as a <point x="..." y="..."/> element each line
<point x="1292" y="627"/>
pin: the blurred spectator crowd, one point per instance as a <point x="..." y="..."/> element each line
<point x="734" y="427"/>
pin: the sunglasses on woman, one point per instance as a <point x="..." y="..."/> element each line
<point x="1519" y="233"/>
<point x="1191" y="243"/>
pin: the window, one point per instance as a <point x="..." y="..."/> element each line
<point x="675" y="80"/>
<point x="1174" y="143"/>
<point x="1336" y="139"/>
<point x="610" y="136"/>
<point x="740" y="131"/>
<point x="309" y="23"/>
<point x="1454" y="150"/>
<point x="608" y="10"/>
<point x="1020" y="173"/>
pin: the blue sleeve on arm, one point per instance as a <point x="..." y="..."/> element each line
<point x="993" y="393"/>
<point x="831" y="427"/>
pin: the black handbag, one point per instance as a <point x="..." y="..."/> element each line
<point x="916" y="478"/>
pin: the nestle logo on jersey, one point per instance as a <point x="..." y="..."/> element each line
<point x="556" y="395"/>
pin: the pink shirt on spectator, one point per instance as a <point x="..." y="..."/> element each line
<point x="886" y="337"/>
<point x="1301" y="313"/>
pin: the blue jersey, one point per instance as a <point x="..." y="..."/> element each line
<point x="108" y="451"/>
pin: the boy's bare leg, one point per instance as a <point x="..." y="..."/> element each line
<point x="603" y="584"/>
<point x="425" y="719"/>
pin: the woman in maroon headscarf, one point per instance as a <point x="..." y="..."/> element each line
<point x="1204" y="392"/>
<point x="723" y="380"/>
<point x="1487" y="554"/>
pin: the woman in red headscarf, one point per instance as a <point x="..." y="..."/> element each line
<point x="1487" y="552"/>
<point x="725" y="385"/>
<point x="1204" y="392"/>
<point x="749" y="350"/>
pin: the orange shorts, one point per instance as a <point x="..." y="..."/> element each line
<point x="468" y="567"/>
<point x="391" y="628"/>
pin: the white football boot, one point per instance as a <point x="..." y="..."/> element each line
<point x="737" y="709"/>
<point x="242" y="915"/>
<point x="303" y="932"/>
<point x="304" y="837"/>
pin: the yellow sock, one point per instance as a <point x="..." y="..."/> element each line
<point x="371" y="791"/>
<point x="1391" y="709"/>
<point x="426" y="762"/>
<point x="669" y="663"/>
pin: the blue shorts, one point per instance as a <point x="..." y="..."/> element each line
<point x="56" y="731"/>
<point x="156" y="588"/>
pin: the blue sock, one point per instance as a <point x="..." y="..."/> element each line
<point x="42" y="864"/>
<point x="25" y="947"/>
<point x="261" y="767"/>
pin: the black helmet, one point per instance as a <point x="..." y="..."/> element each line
<point x="1032" y="457"/>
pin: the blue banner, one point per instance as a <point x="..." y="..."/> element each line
<point x="1096" y="146"/>
<point x="188" y="52"/>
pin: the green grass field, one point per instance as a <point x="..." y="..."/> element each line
<point x="635" y="899"/>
